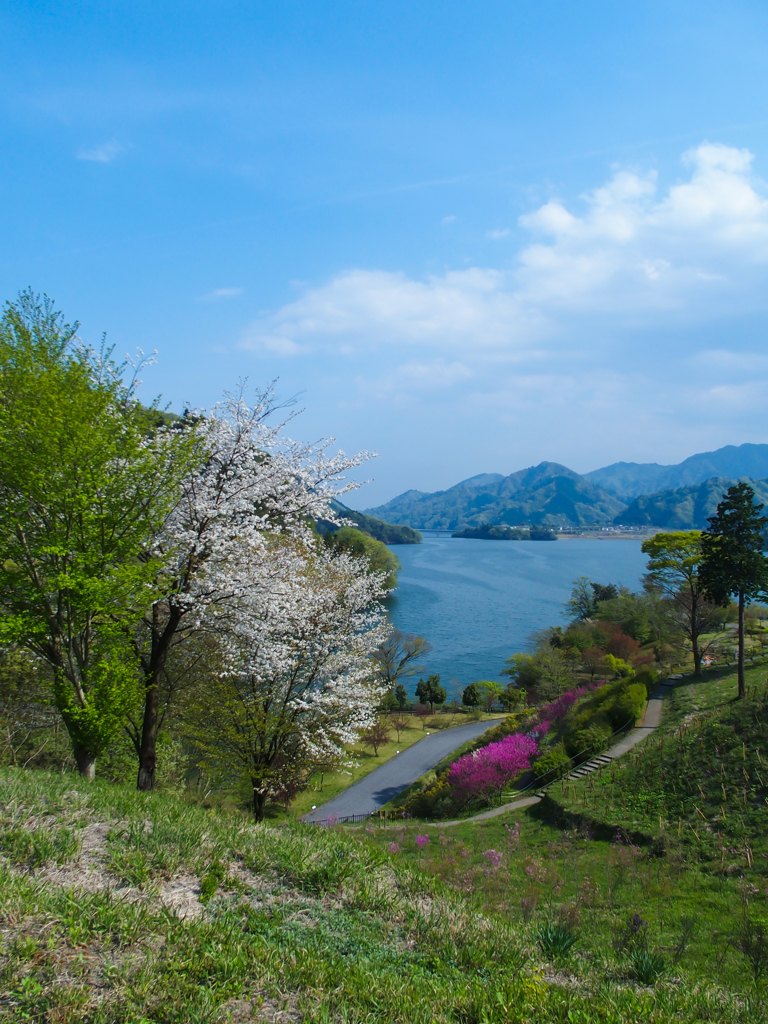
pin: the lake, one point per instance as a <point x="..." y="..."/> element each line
<point x="478" y="601"/>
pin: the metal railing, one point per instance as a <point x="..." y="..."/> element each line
<point x="344" y="819"/>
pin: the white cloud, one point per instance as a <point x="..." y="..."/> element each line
<point x="221" y="295"/>
<point x="275" y="343"/>
<point x="449" y="219"/>
<point x="380" y="308"/>
<point x="103" y="154"/>
<point x="628" y="258"/>
<point x="497" y="234"/>
<point x="416" y="377"/>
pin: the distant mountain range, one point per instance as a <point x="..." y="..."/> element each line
<point x="628" y="480"/>
<point x="626" y="493"/>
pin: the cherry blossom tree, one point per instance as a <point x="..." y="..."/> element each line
<point x="296" y="686"/>
<point x="217" y="544"/>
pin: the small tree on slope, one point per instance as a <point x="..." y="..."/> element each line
<point x="673" y="567"/>
<point x="295" y="687"/>
<point x="733" y="563"/>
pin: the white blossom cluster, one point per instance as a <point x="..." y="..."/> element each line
<point x="293" y="624"/>
<point x="296" y="684"/>
<point x="253" y="484"/>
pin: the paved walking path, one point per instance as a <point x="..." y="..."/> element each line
<point x="384" y="783"/>
<point x="651" y="721"/>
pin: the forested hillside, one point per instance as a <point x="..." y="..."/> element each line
<point x="685" y="508"/>
<point x="545" y="495"/>
<point x="627" y="480"/>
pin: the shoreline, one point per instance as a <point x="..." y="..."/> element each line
<point x="587" y="535"/>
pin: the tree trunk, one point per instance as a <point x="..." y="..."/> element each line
<point x="259" y="802"/>
<point x="696" y="657"/>
<point x="86" y="763"/>
<point x="149" y="730"/>
<point x="150" y="725"/>
<point x="742" y="688"/>
<point x="695" y="649"/>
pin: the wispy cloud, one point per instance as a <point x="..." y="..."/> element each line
<point x="103" y="154"/>
<point x="497" y="233"/>
<point x="605" y="333"/>
<point x="449" y="219"/>
<point x="221" y="295"/>
<point x="628" y="258"/>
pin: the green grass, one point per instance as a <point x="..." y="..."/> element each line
<point x="649" y="841"/>
<point x="161" y="911"/>
<point x="701" y="781"/>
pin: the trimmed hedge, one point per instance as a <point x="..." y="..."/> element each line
<point x="554" y="764"/>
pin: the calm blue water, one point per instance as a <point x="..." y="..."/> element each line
<point x="478" y="601"/>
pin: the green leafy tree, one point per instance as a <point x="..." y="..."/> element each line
<point x="511" y="697"/>
<point x="543" y="675"/>
<point x="585" y="597"/>
<point x="401" y="696"/>
<point x="429" y="691"/>
<point x="581" y="603"/>
<point x="82" y="491"/>
<point x="389" y="702"/>
<point x="471" y="698"/>
<point x="733" y="563"/>
<point x="673" y="568"/>
<point x="490" y="692"/>
<point x="524" y="670"/>
<point x="362" y="545"/>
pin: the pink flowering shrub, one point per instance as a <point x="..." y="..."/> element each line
<point x="559" y="709"/>
<point x="489" y="769"/>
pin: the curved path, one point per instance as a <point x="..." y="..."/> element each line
<point x="384" y="783"/>
<point x="651" y="721"/>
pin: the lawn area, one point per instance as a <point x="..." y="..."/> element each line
<point x="143" y="909"/>
<point x="323" y="789"/>
<point x="667" y="849"/>
<point x="530" y="870"/>
<point x="717" y="686"/>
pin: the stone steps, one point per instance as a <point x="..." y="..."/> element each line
<point x="593" y="765"/>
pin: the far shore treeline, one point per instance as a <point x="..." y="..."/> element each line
<point x="506" y="533"/>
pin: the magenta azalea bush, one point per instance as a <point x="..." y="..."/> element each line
<point x="488" y="770"/>
<point x="559" y="708"/>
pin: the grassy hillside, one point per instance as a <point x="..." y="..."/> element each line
<point x="701" y="783"/>
<point x="119" y="906"/>
<point x="683" y="900"/>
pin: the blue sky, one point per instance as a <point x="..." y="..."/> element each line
<point x="474" y="236"/>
